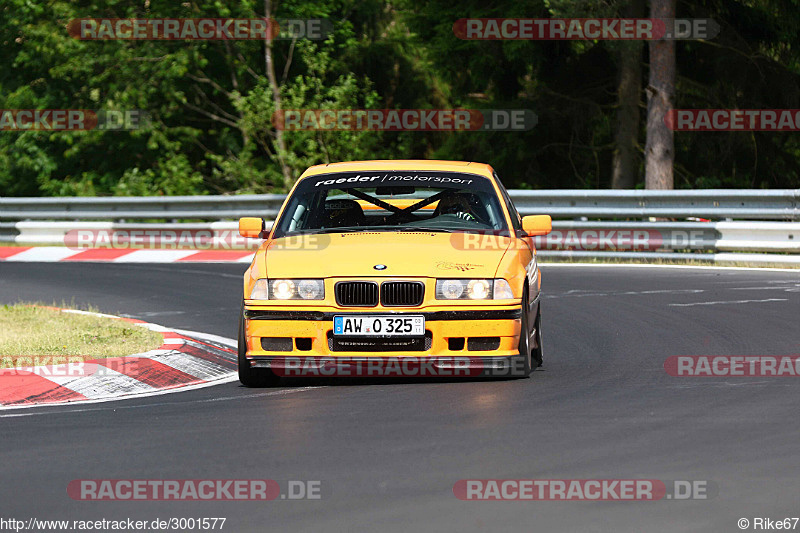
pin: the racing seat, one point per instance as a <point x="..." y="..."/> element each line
<point x="343" y="213"/>
<point x="463" y="204"/>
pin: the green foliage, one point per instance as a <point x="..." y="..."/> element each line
<point x="212" y="107"/>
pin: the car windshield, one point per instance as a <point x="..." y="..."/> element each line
<point x="393" y="201"/>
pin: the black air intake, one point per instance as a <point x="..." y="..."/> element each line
<point x="356" y="293"/>
<point x="402" y="293"/>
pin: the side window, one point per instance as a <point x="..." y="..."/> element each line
<point x="516" y="221"/>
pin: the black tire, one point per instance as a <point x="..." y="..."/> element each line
<point x="538" y="349"/>
<point x="522" y="364"/>
<point x="249" y="376"/>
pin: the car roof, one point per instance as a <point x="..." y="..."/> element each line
<point x="480" y="169"/>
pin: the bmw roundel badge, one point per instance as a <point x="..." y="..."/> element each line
<point x="379" y="267"/>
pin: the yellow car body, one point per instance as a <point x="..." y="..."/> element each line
<point x="364" y="257"/>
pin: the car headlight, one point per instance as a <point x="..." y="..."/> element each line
<point x="502" y="290"/>
<point x="449" y="289"/>
<point x="473" y="289"/>
<point x="311" y="289"/>
<point x="282" y="289"/>
<point x="479" y="289"/>
<point x="259" y="290"/>
<point x="288" y="289"/>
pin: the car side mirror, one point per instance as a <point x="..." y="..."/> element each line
<point x="537" y="225"/>
<point x="251" y="227"/>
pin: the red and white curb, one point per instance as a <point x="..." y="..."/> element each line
<point x="54" y="254"/>
<point x="185" y="359"/>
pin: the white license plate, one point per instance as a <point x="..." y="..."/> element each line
<point x="399" y="326"/>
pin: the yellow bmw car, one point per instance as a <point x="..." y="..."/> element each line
<point x="393" y="268"/>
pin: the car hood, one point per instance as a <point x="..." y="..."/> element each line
<point x="415" y="254"/>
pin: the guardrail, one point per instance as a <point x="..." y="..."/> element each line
<point x="741" y="204"/>
<point x="777" y="204"/>
<point x="141" y="207"/>
<point x="568" y="236"/>
<point x="762" y="232"/>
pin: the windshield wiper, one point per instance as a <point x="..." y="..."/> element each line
<point x="382" y="228"/>
<point x="337" y="230"/>
<point x="423" y="228"/>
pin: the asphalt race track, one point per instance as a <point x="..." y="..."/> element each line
<point x="389" y="453"/>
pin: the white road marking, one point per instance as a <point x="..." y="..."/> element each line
<point x="260" y="394"/>
<point x="580" y="294"/>
<point x="796" y="288"/>
<point x="728" y="384"/>
<point x="158" y="313"/>
<point x="731" y="302"/>
<point x="89" y="313"/>
<point x="44" y="254"/>
<point x="281" y="392"/>
<point x="154" y="256"/>
<point x="666" y="291"/>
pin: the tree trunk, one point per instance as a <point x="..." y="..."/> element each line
<point x="660" y="147"/>
<point x="625" y="166"/>
<point x="276" y="95"/>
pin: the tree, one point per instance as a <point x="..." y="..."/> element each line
<point x="660" y="146"/>
<point x="212" y="102"/>
<point x="625" y="166"/>
<point x="276" y="96"/>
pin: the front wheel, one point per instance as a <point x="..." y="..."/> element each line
<point x="249" y="376"/>
<point x="521" y="364"/>
<point x="538" y="350"/>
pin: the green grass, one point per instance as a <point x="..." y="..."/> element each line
<point x="33" y="329"/>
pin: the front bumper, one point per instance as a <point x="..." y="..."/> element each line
<point x="487" y="332"/>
